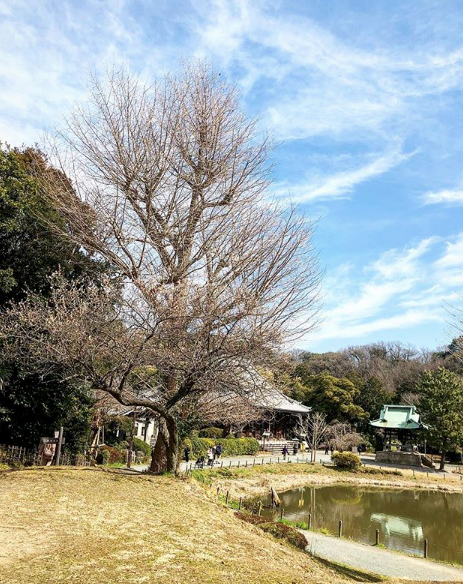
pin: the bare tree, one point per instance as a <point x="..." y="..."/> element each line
<point x="317" y="427"/>
<point x="168" y="186"/>
<point x="313" y="428"/>
<point x="342" y="437"/>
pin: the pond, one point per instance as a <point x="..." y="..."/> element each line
<point x="404" y="518"/>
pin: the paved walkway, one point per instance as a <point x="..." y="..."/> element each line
<point x="246" y="460"/>
<point x="378" y="560"/>
<point x="367" y="459"/>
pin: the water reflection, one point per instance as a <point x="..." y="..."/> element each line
<point x="404" y="517"/>
<point x="393" y="525"/>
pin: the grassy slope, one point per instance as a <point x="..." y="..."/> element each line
<point x="88" y="525"/>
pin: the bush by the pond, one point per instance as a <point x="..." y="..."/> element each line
<point x="346" y="460"/>
<point x="230" y="446"/>
<point x="211" y="433"/>
<point x="277" y="529"/>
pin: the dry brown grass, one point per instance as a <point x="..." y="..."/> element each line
<point x="84" y="526"/>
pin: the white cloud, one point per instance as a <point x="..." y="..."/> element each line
<point x="449" y="197"/>
<point x="341" y="184"/>
<point x="398" y="290"/>
<point x="322" y="83"/>
<point x="399" y="321"/>
<point x="453" y="256"/>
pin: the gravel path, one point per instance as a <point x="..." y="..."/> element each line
<point x="378" y="560"/>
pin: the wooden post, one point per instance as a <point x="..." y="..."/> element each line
<point x="240" y="503"/>
<point x="230" y="464"/>
<point x="309" y="522"/>
<point x="246" y="465"/>
<point x="260" y="508"/>
<point x="218" y="491"/>
<point x="262" y="462"/>
<point x="377" y="537"/>
<point x="60" y="443"/>
<point x="221" y="465"/>
<point x="340" y="528"/>
<point x="226" y="497"/>
<point x="278" y="462"/>
<point x="254" y="463"/>
<point x="282" y="512"/>
<point x="426" y="545"/>
<point x="239" y="463"/>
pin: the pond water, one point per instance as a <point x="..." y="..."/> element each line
<point x="404" y="518"/>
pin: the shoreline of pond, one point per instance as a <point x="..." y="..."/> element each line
<point x="250" y="487"/>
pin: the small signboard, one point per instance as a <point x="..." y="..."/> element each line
<point x="52" y="440"/>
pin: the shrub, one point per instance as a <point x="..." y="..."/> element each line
<point x="211" y="433"/>
<point x="279" y="530"/>
<point x="141" y="445"/>
<point x="108" y="455"/>
<point x="346" y="460"/>
<point x="287" y="532"/>
<point x="230" y="446"/>
<point x="251" y="518"/>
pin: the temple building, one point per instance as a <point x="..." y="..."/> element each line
<point x="401" y="427"/>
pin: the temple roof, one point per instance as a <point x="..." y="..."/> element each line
<point x="398" y="418"/>
<point x="274" y="399"/>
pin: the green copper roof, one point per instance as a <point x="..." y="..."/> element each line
<point x="399" y="418"/>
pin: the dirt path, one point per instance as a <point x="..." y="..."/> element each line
<point x="378" y="560"/>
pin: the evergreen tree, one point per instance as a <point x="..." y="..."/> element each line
<point x="441" y="407"/>
<point x="30" y="251"/>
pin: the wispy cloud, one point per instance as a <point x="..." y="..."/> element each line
<point x="397" y="291"/>
<point x="341" y="184"/>
<point x="448" y="197"/>
<point x="453" y="256"/>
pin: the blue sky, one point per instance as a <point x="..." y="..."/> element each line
<point x="365" y="97"/>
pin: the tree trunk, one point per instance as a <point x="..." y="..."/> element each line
<point x="164" y="456"/>
<point x="172" y="446"/>
<point x="442" y="460"/>
<point x="158" y="454"/>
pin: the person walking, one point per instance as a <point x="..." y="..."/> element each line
<point x="218" y="451"/>
<point x="210" y="457"/>
<point x="186" y="452"/>
<point x="327" y="449"/>
<point x="295" y="448"/>
<point x="285" y="452"/>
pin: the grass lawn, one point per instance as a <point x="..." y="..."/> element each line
<point x="96" y="526"/>
<point x="89" y="525"/>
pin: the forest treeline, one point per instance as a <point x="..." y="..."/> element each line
<point x="351" y="385"/>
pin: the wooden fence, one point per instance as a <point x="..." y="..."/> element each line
<point x="21" y="456"/>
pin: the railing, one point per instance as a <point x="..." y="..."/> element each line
<point x="248" y="463"/>
<point x="21" y="456"/>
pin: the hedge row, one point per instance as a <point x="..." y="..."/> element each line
<point x="230" y="446"/>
